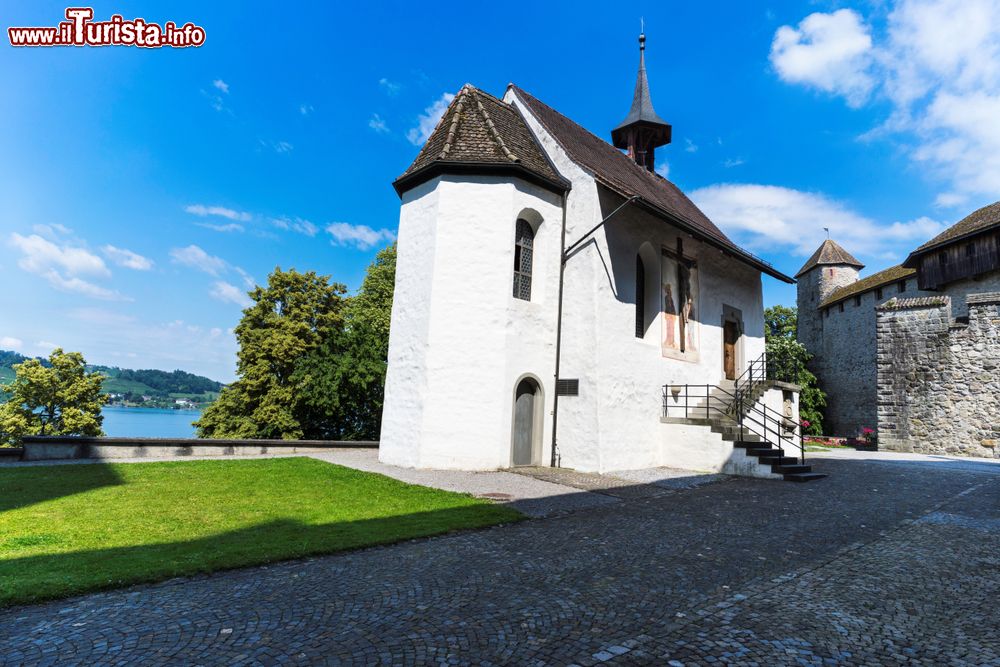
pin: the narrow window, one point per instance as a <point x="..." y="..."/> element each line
<point x="901" y="286"/>
<point x="878" y="294"/>
<point x="970" y="250"/>
<point x="640" y="297"/>
<point x="826" y="312"/>
<point x="857" y="300"/>
<point x="524" y="240"/>
<point x="841" y="306"/>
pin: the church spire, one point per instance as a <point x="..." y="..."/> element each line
<point x="642" y="130"/>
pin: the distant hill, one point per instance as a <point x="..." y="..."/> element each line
<point x="149" y="387"/>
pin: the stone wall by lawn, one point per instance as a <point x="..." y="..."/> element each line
<point x="939" y="379"/>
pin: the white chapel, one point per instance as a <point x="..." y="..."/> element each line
<point x="559" y="303"/>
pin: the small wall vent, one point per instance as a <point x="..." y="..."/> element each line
<point x="568" y="387"/>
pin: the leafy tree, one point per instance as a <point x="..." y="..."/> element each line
<point x="289" y="318"/>
<point x="788" y="355"/>
<point x="53" y="397"/>
<point x="343" y="380"/>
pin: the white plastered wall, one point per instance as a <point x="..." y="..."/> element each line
<point x="614" y="423"/>
<point x="459" y="340"/>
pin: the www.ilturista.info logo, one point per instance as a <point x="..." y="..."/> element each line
<point x="81" y="30"/>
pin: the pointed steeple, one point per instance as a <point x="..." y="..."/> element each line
<point x="642" y="131"/>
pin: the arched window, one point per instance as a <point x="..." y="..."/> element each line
<point x="523" y="242"/>
<point x="640" y="297"/>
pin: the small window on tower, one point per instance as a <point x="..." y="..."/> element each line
<point x="901" y="286"/>
<point x="878" y="294"/>
<point x="826" y="312"/>
<point x="841" y="306"/>
<point x="857" y="300"/>
<point x="523" y="250"/>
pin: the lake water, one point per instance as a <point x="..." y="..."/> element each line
<point x="148" y="422"/>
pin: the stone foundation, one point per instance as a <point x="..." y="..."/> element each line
<point x="939" y="379"/>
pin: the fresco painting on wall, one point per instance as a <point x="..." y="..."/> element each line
<point x="680" y="308"/>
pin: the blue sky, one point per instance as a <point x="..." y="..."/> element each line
<point x="143" y="190"/>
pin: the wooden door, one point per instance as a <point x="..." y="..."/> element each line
<point x="524" y="424"/>
<point x="730" y="336"/>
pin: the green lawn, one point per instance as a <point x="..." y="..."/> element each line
<point x="75" y="528"/>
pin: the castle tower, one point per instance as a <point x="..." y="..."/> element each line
<point x="642" y="131"/>
<point x="829" y="268"/>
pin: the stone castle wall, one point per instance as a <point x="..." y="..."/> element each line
<point x="939" y="380"/>
<point x="844" y="357"/>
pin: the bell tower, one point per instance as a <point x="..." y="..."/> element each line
<point x="642" y="131"/>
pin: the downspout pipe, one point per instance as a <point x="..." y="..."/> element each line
<point x="564" y="257"/>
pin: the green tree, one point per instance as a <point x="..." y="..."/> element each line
<point x="289" y="318"/>
<point x="343" y="380"/>
<point x="57" y="397"/>
<point x="789" y="356"/>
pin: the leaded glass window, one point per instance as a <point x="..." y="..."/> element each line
<point x="523" y="242"/>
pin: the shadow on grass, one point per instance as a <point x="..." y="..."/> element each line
<point x="29" y="485"/>
<point x="41" y="577"/>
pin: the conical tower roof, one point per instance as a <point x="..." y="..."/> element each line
<point x="642" y="112"/>
<point x="829" y="252"/>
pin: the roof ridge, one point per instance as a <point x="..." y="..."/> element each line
<point x="494" y="133"/>
<point x="459" y="101"/>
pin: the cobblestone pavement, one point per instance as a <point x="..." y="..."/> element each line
<point x="877" y="564"/>
<point x="624" y="485"/>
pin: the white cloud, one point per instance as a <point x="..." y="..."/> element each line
<point x="937" y="64"/>
<point x="221" y="85"/>
<point x="221" y="211"/>
<point x="389" y="87"/>
<point x="377" y="123"/>
<point x="690" y="146"/>
<point x="196" y="258"/>
<point x="80" y="286"/>
<point x="248" y="280"/>
<point x="127" y="258"/>
<point x="296" y="225"/>
<point x="45" y="346"/>
<point x="428" y="120"/>
<point x="306" y="109"/>
<point x="53" y="231"/>
<point x="228" y="227"/>
<point x="62" y="265"/>
<point x="361" y="236"/>
<point x="11" y="343"/>
<point x="832" y="52"/>
<point x="230" y="293"/>
<point x="40" y="255"/>
<point x="766" y="217"/>
<point x="663" y="169"/>
<point x="729" y="163"/>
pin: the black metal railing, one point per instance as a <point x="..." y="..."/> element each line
<point x="741" y="406"/>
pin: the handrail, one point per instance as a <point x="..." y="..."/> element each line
<point x="773" y="430"/>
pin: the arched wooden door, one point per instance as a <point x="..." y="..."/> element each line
<point x="524" y="423"/>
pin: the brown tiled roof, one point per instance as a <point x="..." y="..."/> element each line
<point x="829" y="252"/>
<point x="886" y="277"/>
<point x="617" y="172"/>
<point x="978" y="221"/>
<point x="480" y="133"/>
